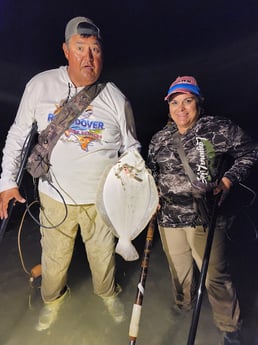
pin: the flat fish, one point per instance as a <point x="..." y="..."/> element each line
<point x="126" y="199"/>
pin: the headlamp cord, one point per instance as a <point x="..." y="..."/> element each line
<point x="243" y="210"/>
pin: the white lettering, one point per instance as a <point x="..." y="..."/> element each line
<point x="202" y="170"/>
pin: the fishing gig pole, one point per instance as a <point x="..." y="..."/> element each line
<point x="203" y="272"/>
<point x="137" y="307"/>
<point x="25" y="153"/>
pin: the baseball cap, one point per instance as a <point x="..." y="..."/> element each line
<point x="81" y="26"/>
<point x="184" y="84"/>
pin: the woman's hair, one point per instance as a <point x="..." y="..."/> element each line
<point x="200" y="104"/>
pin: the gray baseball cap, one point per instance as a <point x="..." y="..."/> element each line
<point x="81" y="26"/>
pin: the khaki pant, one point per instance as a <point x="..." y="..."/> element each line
<point x="185" y="247"/>
<point x="58" y="244"/>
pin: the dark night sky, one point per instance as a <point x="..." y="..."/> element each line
<point x="147" y="45"/>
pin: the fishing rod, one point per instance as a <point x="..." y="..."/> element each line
<point x="136" y="312"/>
<point x="203" y="272"/>
<point x="25" y="153"/>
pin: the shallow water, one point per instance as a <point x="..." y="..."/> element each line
<point x="83" y="320"/>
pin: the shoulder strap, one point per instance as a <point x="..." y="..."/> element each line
<point x="76" y="105"/>
<point x="68" y="114"/>
<point x="201" y="205"/>
<point x="181" y="152"/>
<point x="38" y="162"/>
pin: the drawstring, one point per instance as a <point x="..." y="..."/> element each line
<point x="69" y="94"/>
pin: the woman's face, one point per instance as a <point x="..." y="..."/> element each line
<point x="183" y="110"/>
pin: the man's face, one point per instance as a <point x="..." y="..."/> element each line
<point x="84" y="55"/>
<point x="183" y="110"/>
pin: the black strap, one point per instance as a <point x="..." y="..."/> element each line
<point x="199" y="200"/>
<point x="181" y="152"/>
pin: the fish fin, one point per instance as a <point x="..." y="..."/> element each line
<point x="126" y="249"/>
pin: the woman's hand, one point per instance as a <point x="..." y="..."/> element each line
<point x="223" y="187"/>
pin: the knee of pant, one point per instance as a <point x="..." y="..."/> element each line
<point x="217" y="286"/>
<point x="212" y="283"/>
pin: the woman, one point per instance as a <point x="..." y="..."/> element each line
<point x="206" y="140"/>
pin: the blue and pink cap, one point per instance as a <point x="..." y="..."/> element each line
<point x="184" y="84"/>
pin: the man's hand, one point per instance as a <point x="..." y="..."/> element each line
<point x="5" y="197"/>
<point x="223" y="187"/>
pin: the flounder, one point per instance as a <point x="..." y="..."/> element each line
<point x="127" y="198"/>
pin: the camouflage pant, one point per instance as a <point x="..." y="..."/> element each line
<point x="184" y="247"/>
<point x="58" y="244"/>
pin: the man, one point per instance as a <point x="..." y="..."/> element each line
<point x="94" y="141"/>
<point x="206" y="140"/>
